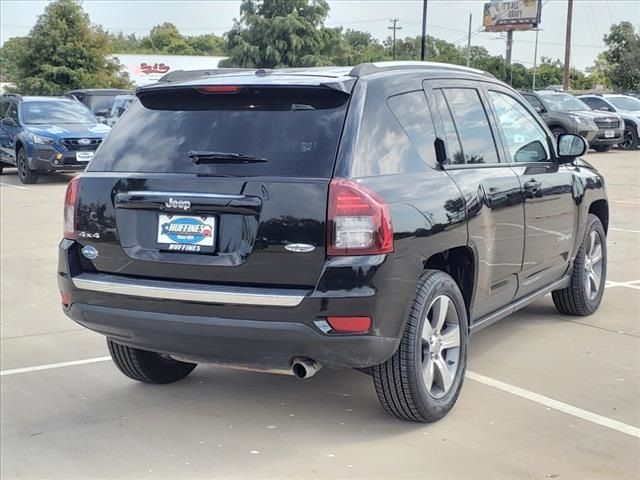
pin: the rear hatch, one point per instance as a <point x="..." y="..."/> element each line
<point x="223" y="184"/>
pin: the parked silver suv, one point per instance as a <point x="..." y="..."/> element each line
<point x="564" y="113"/>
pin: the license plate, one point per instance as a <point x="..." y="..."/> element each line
<point x="609" y="133"/>
<point x="84" y="156"/>
<point x="186" y="233"/>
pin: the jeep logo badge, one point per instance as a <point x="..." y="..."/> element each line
<point x="183" y="204"/>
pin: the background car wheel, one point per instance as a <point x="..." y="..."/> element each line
<point x="602" y="148"/>
<point x="147" y="367"/>
<point x="630" y="139"/>
<point x="584" y="293"/>
<point x="25" y="174"/>
<point x="422" y="381"/>
<point x="557" y="131"/>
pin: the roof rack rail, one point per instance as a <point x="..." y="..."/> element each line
<point x="16" y="96"/>
<point x="369" y="68"/>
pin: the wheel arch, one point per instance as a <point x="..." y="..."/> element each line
<point x="459" y="263"/>
<point x="600" y="208"/>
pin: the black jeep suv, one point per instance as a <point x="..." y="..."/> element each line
<point x="369" y="217"/>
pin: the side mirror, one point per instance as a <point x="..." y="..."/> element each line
<point x="8" y="122"/>
<point x="571" y="146"/>
<point x="538" y="109"/>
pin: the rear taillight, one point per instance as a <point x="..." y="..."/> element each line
<point x="358" y="220"/>
<point x="70" y="203"/>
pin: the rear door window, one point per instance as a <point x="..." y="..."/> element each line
<point x="296" y="130"/>
<point x="412" y="111"/>
<point x="472" y="125"/>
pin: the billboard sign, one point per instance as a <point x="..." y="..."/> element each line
<point x="502" y="15"/>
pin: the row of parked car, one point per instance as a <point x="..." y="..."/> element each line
<point x="42" y="135"/>
<point x="604" y="120"/>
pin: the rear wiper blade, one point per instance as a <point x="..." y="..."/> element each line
<point x="199" y="157"/>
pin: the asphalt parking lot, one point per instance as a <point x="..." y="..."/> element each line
<point x="546" y="396"/>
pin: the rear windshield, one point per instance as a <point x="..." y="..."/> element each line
<point x="295" y="130"/>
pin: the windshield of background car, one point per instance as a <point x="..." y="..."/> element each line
<point x="625" y="103"/>
<point x="56" y="113"/>
<point x="563" y="102"/>
<point x="101" y="103"/>
<point x="296" y="130"/>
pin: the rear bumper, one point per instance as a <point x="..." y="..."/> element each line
<point x="261" y="328"/>
<point x="252" y="343"/>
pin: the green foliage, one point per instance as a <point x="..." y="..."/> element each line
<point x="280" y="33"/>
<point x="63" y="51"/>
<point x="623" y="56"/>
<point x="10" y="53"/>
<point x="167" y="39"/>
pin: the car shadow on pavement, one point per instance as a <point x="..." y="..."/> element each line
<point x="10" y="177"/>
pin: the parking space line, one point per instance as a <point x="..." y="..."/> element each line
<point x="476" y="377"/>
<point x="13" y="186"/>
<point x="556" y="405"/>
<point x="624" y="230"/>
<point x="629" y="202"/>
<point x="635" y="284"/>
<point x="51" y="366"/>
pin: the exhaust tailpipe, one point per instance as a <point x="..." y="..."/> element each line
<point x="305" y="367"/>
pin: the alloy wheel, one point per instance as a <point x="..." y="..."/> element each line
<point x="627" y="139"/>
<point x="593" y="264"/>
<point x="22" y="164"/>
<point x="440" y="346"/>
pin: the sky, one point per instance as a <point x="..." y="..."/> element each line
<point x="446" y="19"/>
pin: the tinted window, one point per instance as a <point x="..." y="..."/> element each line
<point x="472" y="125"/>
<point x="533" y="101"/>
<point x="454" y="150"/>
<point x="56" y="113"/>
<point x="3" y="108"/>
<point x="295" y="130"/>
<point x="596" y="103"/>
<point x="412" y="111"/>
<point x="563" y="102"/>
<point x="526" y="140"/>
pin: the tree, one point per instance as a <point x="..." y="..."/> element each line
<point x="64" y="51"/>
<point x="623" y="56"/>
<point x="279" y="33"/>
<point x="10" y="53"/>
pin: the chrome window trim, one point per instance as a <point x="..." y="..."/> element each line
<point x="146" y="193"/>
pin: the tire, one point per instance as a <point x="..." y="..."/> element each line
<point x="1" y="168"/>
<point x="557" y="131"/>
<point x="602" y="148"/>
<point x="401" y="382"/>
<point x="147" y="367"/>
<point x="25" y="174"/>
<point x="582" y="297"/>
<point x="630" y="141"/>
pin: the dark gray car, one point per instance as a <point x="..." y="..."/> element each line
<point x="564" y="113"/>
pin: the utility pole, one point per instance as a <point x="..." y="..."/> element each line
<point x="567" y="47"/>
<point x="394" y="28"/>
<point x="469" y="42"/>
<point x="535" y="61"/>
<point x="423" y="48"/>
<point x="509" y="46"/>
